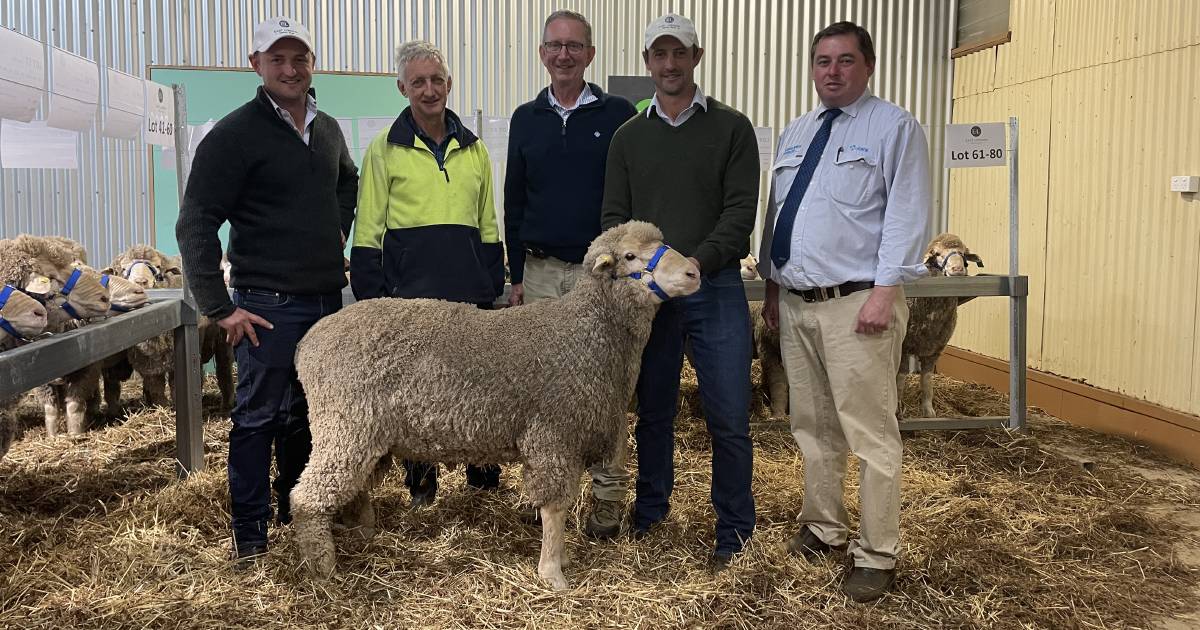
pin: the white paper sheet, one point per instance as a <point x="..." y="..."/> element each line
<point x="19" y="102"/>
<point x="347" y="127"/>
<point x="126" y="92"/>
<point x="68" y="113"/>
<point x="160" y="115"/>
<point x="22" y="75"/>
<point x="368" y="128"/>
<point x="74" y="91"/>
<point x="765" y="137"/>
<point x="123" y="125"/>
<point x="22" y="59"/>
<point x="35" y="145"/>
<point x="495" y="138"/>
<point x="196" y="133"/>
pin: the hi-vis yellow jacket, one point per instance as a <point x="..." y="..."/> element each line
<point x="426" y="229"/>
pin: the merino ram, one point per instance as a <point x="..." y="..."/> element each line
<point x="153" y="358"/>
<point x="21" y="317"/>
<point x="546" y="385"/>
<point x="931" y="321"/>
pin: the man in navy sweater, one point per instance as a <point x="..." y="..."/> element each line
<point x="557" y="149"/>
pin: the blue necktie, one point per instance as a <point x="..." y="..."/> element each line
<point x="781" y="242"/>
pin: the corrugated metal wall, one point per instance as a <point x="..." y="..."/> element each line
<point x="1108" y="113"/>
<point x="756" y="60"/>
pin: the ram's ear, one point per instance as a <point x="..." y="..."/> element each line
<point x="975" y="259"/>
<point x="109" y="271"/>
<point x="931" y="261"/>
<point x="603" y="261"/>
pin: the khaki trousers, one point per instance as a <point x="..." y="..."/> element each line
<point x="547" y="278"/>
<point x="842" y="388"/>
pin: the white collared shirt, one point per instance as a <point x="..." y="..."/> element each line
<point x="698" y="102"/>
<point x="865" y="212"/>
<point x="585" y="97"/>
<point x="310" y="114"/>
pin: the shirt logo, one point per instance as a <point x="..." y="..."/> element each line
<point x="858" y="148"/>
<point x="597" y="134"/>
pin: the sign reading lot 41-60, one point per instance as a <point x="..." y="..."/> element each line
<point x="978" y="144"/>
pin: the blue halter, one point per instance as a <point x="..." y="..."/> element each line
<point x="6" y="325"/>
<point x="66" y="292"/>
<point x="649" y="270"/>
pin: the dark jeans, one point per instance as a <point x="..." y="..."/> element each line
<point x="422" y="477"/>
<point x="715" y="322"/>
<point x="270" y="410"/>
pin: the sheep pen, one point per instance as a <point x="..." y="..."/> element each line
<point x="998" y="531"/>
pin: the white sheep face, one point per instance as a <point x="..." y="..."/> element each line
<point x="946" y="255"/>
<point x="26" y="314"/>
<point x="89" y="298"/>
<point x="125" y="295"/>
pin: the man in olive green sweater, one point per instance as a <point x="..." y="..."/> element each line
<point x="689" y="165"/>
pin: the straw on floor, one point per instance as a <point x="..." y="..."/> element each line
<point x="999" y="530"/>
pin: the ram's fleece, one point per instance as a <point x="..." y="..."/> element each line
<point x="545" y="384"/>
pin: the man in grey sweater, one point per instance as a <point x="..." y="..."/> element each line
<point x="690" y="166"/>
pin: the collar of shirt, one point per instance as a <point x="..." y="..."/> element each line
<point x="437" y="148"/>
<point x="698" y="102"/>
<point x="310" y="114"/>
<point x="585" y="97"/>
<point x="850" y="110"/>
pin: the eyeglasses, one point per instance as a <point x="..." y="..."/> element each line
<point x="556" y="47"/>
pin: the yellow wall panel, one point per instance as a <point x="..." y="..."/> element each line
<point x="975" y="73"/>
<point x="1106" y="119"/>
<point x="979" y="213"/>
<point x="1027" y="55"/>
<point x="1121" y="299"/>
<point x="1093" y="32"/>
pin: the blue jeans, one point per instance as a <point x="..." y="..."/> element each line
<point x="715" y="322"/>
<point x="270" y="410"/>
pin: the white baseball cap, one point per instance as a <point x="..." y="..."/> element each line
<point x="267" y="32"/>
<point x="672" y="25"/>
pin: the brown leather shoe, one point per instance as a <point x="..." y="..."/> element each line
<point x="865" y="584"/>
<point x="805" y="543"/>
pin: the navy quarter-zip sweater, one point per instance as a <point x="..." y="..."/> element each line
<point x="287" y="204"/>
<point x="554" y="184"/>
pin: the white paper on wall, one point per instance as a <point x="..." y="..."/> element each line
<point x="160" y="115"/>
<point x="36" y="145"/>
<point x="22" y="75"/>
<point x="68" y="113"/>
<point x="19" y="102"/>
<point x="347" y="127"/>
<point x="125" y="105"/>
<point x="196" y="133"/>
<point x="119" y="124"/>
<point x="368" y="128"/>
<point x="765" y="136"/>
<point x="495" y="137"/>
<point x="74" y="90"/>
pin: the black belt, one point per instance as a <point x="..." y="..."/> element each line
<point x="821" y="294"/>
<point x="536" y="252"/>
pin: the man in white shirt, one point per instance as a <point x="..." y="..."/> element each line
<point x="846" y="221"/>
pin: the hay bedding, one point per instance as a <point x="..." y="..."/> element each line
<point x="998" y="532"/>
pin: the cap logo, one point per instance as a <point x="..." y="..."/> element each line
<point x="668" y="19"/>
<point x="284" y="23"/>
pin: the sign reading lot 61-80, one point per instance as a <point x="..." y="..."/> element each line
<point x="978" y="144"/>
